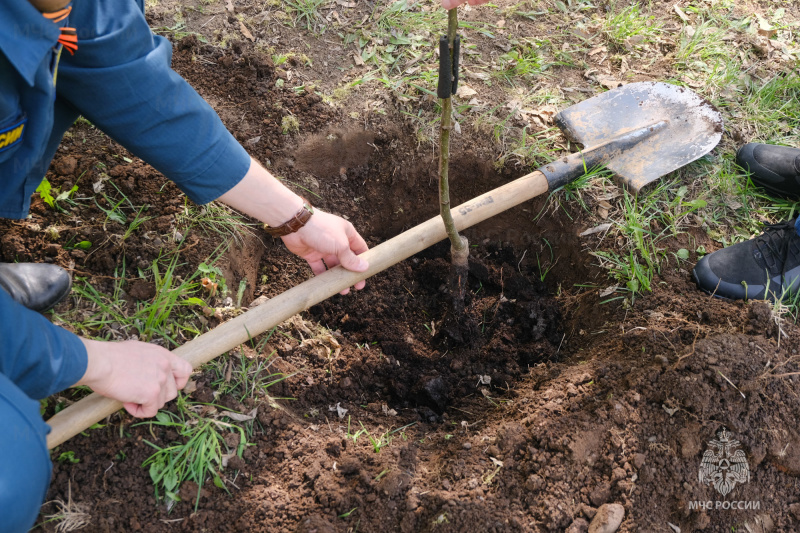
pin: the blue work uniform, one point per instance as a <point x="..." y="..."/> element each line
<point x="121" y="80"/>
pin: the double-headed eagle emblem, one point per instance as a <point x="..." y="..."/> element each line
<point x="723" y="464"/>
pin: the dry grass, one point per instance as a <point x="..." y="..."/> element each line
<point x="71" y="516"/>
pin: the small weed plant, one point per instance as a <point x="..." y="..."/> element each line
<point x="54" y="197"/>
<point x="246" y="377"/>
<point x="196" y="456"/>
<point x="112" y="317"/>
<point x="629" y="22"/>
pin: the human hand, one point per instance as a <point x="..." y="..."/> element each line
<point x="329" y="240"/>
<point x="450" y="4"/>
<point x="141" y="375"/>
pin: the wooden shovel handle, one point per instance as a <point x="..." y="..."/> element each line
<point x="90" y="410"/>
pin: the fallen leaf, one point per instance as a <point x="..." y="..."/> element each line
<point x="765" y="28"/>
<point x="608" y="196"/>
<point x="595" y="51"/>
<point x="341" y="411"/>
<point x="477" y="75"/>
<point x="300" y="325"/>
<point x="465" y="91"/>
<point x="229" y="6"/>
<point x="680" y="13"/>
<point x="358" y="60"/>
<point x="546" y="113"/>
<point x="608" y="290"/>
<point x="596" y="229"/>
<point x="239" y="417"/>
<point x="603" y="212"/>
<point x="258" y="301"/>
<point x="777" y="45"/>
<point x="346" y="4"/>
<point x="190" y="387"/>
<point x="245" y="31"/>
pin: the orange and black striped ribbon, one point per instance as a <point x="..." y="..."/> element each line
<point x="69" y="39"/>
<point x="58" y="16"/>
<point x="69" y="36"/>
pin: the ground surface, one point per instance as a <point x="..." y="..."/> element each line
<point x="556" y="402"/>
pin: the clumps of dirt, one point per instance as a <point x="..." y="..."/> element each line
<point x="332" y="153"/>
<point x="514" y="325"/>
<point x="263" y="90"/>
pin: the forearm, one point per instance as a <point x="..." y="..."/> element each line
<point x="121" y="80"/>
<point x="263" y="197"/>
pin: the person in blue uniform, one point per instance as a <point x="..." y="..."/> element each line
<point x="99" y="59"/>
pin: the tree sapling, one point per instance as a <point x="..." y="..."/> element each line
<point x="449" y="48"/>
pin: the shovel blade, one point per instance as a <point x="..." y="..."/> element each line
<point x="694" y="127"/>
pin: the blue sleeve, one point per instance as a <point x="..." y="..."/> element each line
<point x="39" y="357"/>
<point x="121" y="80"/>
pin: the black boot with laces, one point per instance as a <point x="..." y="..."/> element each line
<point x="764" y="268"/>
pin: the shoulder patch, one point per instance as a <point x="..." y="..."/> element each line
<point x="11" y="135"/>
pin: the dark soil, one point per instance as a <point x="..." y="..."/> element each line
<point x="552" y="405"/>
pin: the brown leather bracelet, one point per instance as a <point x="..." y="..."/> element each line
<point x="295" y="223"/>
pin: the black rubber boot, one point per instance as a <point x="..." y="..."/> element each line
<point x="775" y="168"/>
<point x="764" y="268"/>
<point x="37" y="286"/>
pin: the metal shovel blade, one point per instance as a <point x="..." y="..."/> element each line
<point x="693" y="128"/>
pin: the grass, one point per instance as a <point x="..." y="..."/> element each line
<point x="377" y="441"/>
<point x="246" y="377"/>
<point x="521" y="62"/>
<point x="213" y="219"/>
<point x="196" y="456"/>
<point x="111" y="317"/>
<point x="70" y="516"/>
<point x="307" y="14"/>
<point x="629" y="22"/>
<point x="116" y="214"/>
<point x="645" y="222"/>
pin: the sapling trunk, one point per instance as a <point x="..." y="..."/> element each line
<point x="459" y="246"/>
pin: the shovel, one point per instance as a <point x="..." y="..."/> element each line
<point x="640" y="131"/>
